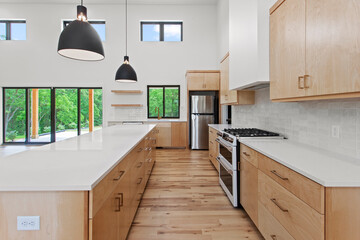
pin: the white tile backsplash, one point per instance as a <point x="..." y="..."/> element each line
<point x="307" y="122"/>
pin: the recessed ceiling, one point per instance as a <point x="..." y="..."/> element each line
<point x="181" y="2"/>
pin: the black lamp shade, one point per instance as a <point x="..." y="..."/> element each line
<point x="126" y="73"/>
<point x="80" y="41"/>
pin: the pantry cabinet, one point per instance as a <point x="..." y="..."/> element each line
<point x="314" y="50"/>
<point x="232" y="97"/>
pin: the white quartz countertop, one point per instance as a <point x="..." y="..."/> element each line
<point x="149" y="121"/>
<point x="220" y="127"/>
<point x="324" y="167"/>
<point x="75" y="164"/>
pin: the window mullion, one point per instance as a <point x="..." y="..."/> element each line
<point x="8" y="31"/>
<point x="161" y="32"/>
<point x="163" y="101"/>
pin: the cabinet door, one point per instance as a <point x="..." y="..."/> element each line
<point x="164" y="135"/>
<point x="249" y="189"/>
<point x="196" y="81"/>
<point x="287" y="50"/>
<point x="111" y="222"/>
<point x="332" y="46"/>
<point x="211" y="81"/>
<point x="178" y="134"/>
<point x="226" y="96"/>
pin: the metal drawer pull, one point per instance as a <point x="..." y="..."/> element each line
<point x="278" y="175"/>
<point x="246" y="154"/>
<point x="211" y="142"/>
<point x="149" y="160"/>
<point x="211" y="155"/>
<point x="120" y="175"/>
<point x="139" y="150"/>
<point x="139" y="180"/>
<point x="120" y="202"/>
<point x="277" y="204"/>
<point x="299" y="82"/>
<point x="273" y="237"/>
<point x="140" y="164"/>
<point x="305" y="81"/>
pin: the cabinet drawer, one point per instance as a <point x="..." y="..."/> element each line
<point x="298" y="218"/>
<point x="304" y="188"/>
<point x="249" y="154"/>
<point x="269" y="227"/>
<point x="104" y="188"/>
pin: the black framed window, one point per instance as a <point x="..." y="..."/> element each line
<point x="163" y="100"/>
<point x="12" y="30"/>
<point x="161" y="31"/>
<point x="100" y="27"/>
<point x="43" y="115"/>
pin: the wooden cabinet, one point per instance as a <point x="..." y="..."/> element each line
<point x="232" y="97"/>
<point x="171" y="134"/>
<point x="213" y="148"/>
<point x="164" y="135"/>
<point x="287" y="50"/>
<point x="178" y="134"/>
<point x="314" y="50"/>
<point x="249" y="189"/>
<point x="203" y="80"/>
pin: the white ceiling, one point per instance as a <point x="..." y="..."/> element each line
<point x="186" y="2"/>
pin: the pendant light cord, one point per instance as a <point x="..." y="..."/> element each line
<point x="82" y="3"/>
<point x="126" y="20"/>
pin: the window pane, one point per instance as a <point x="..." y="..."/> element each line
<point x="97" y="111"/>
<point x="18" y="31"/>
<point x="15" y="115"/>
<point x="172" y="102"/>
<point x="66" y="113"/>
<point x="2" y="31"/>
<point x="100" y="28"/>
<point x="172" y="32"/>
<point x="150" y="32"/>
<point x="40" y="115"/>
<point x="156" y="96"/>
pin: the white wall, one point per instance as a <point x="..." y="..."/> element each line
<point x="223" y="28"/>
<point x="35" y="62"/>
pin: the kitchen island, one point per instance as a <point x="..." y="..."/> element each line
<point x="87" y="187"/>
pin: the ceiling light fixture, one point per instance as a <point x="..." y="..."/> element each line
<point x="126" y="73"/>
<point x="79" y="40"/>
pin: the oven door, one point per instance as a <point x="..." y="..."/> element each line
<point x="227" y="152"/>
<point x="227" y="179"/>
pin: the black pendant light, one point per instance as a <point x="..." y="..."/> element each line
<point x="126" y="73"/>
<point x="79" y="40"/>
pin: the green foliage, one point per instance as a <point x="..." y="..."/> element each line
<point x="156" y="99"/>
<point x="66" y="110"/>
<point x="11" y="135"/>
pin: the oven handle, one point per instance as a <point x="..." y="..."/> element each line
<point x="228" y="147"/>
<point x="230" y="171"/>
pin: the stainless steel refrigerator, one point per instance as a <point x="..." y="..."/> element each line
<point x="203" y="112"/>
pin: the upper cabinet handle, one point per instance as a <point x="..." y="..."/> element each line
<point x="299" y="82"/>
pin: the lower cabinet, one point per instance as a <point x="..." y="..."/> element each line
<point x="249" y="189"/>
<point x="213" y="148"/>
<point x="114" y="201"/>
<point x="171" y="134"/>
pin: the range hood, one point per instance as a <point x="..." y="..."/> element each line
<point x="255" y="86"/>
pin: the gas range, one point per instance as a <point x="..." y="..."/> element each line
<point x="231" y="135"/>
<point x="229" y="157"/>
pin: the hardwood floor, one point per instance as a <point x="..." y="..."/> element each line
<point x="183" y="200"/>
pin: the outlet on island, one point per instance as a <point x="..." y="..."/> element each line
<point x="28" y="223"/>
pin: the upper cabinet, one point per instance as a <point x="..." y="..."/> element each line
<point x="314" y="49"/>
<point x="232" y="97"/>
<point x="249" y="43"/>
<point x="207" y="80"/>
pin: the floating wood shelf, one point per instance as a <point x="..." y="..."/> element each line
<point x="126" y="105"/>
<point x="127" y="91"/>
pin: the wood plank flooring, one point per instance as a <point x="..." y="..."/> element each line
<point x="183" y="201"/>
